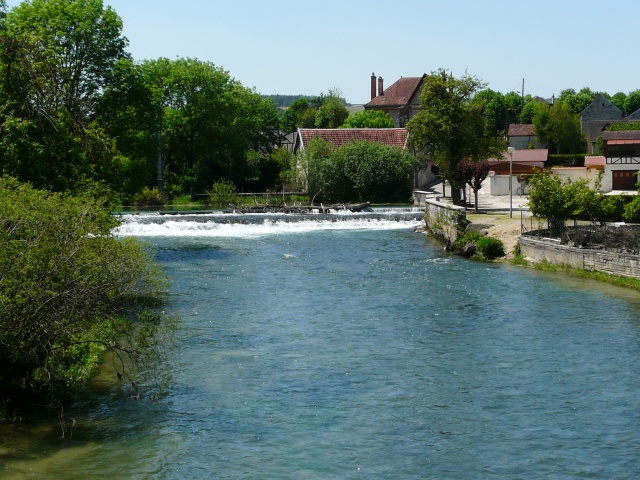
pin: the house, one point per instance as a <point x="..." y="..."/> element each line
<point x="597" y="117"/>
<point x="621" y="160"/>
<point x="401" y="100"/>
<point x="395" y="137"/>
<point x="522" y="136"/>
<point x="520" y="162"/>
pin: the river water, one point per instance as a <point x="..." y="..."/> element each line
<point x="352" y="347"/>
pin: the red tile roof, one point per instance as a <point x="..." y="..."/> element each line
<point x="521" y="130"/>
<point x="398" y="94"/>
<point x="395" y="137"/>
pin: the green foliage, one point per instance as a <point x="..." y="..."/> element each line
<point x="223" y="192"/>
<point x="53" y="71"/>
<point x="632" y="102"/>
<point x="332" y="113"/>
<point x="369" y="119"/>
<point x="149" y="197"/>
<point x="490" y="247"/>
<point x="552" y="198"/>
<point x="450" y="127"/>
<point x="471" y="236"/>
<point x="560" y="126"/>
<point x="357" y="171"/>
<point x="632" y="211"/>
<point x="624" y="126"/>
<point x="68" y="290"/>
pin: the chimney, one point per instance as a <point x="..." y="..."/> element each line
<point x="380" y="87"/>
<point x="373" y="86"/>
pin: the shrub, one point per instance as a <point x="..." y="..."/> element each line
<point x="471" y="236"/>
<point x="223" y="192"/>
<point x="69" y="290"/>
<point x="490" y="247"/>
<point x="149" y="197"/>
<point x="632" y="211"/>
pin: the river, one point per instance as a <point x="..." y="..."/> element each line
<point x="352" y="347"/>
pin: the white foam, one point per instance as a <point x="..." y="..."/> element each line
<point x="168" y="226"/>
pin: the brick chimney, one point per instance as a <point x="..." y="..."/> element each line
<point x="380" y="87"/>
<point x="373" y="86"/>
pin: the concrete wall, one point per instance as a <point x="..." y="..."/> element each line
<point x="578" y="173"/>
<point x="445" y="221"/>
<point x="537" y="250"/>
<point x="499" y="185"/>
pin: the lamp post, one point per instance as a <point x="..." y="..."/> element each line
<point x="511" y="150"/>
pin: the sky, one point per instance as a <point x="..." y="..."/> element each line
<point x="309" y="47"/>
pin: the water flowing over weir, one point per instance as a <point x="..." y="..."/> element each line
<point x="218" y="224"/>
<point x="349" y="346"/>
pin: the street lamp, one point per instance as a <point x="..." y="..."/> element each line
<point x="511" y="150"/>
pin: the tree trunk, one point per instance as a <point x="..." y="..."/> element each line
<point x="455" y="196"/>
<point x="475" y="194"/>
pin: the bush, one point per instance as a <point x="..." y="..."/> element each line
<point x="149" y="197"/>
<point x="632" y="211"/>
<point x="68" y="290"/>
<point x="490" y="248"/>
<point x="471" y="236"/>
<point x="223" y="192"/>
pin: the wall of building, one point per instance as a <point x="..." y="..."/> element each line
<point x="499" y="185"/>
<point x="578" y="173"/>
<point x="538" y="250"/>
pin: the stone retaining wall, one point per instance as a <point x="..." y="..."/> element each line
<point x="445" y="221"/>
<point x="548" y="249"/>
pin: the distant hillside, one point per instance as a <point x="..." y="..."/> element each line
<point x="283" y="101"/>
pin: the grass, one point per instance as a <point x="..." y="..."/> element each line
<point x="632" y="283"/>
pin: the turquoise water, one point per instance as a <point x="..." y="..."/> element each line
<point x="357" y="348"/>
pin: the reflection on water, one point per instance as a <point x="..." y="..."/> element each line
<point x="362" y="353"/>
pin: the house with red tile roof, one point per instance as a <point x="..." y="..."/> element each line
<point x="401" y="100"/>
<point x="394" y="137"/>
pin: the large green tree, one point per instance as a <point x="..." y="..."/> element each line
<point x="450" y="127"/>
<point x="560" y="126"/>
<point x="203" y="124"/>
<point x="57" y="56"/>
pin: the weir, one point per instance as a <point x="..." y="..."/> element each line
<point x="252" y="224"/>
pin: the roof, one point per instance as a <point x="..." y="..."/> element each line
<point x="526" y="155"/>
<point x="398" y="94"/>
<point x="521" y="130"/>
<point x="395" y="137"/>
<point x="608" y="136"/>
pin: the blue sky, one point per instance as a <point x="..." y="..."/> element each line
<point x="309" y="47"/>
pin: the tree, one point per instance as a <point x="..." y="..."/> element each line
<point x="560" y="126"/>
<point x="577" y="102"/>
<point x="375" y="172"/>
<point x="632" y="102"/>
<point x="205" y="125"/>
<point x="69" y="291"/>
<point x="297" y="115"/>
<point x="474" y="173"/>
<point x="369" y="119"/>
<point x="618" y="100"/>
<point x="57" y="57"/>
<point x="332" y="113"/>
<point x="450" y="128"/>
